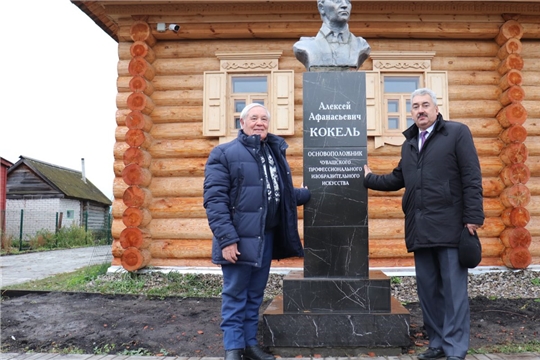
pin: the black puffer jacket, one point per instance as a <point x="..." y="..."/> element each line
<point x="443" y="185"/>
<point x="235" y="200"/>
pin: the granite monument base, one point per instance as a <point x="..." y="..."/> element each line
<point x="308" y="319"/>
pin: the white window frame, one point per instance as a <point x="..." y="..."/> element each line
<point x="218" y="107"/>
<point x="396" y="63"/>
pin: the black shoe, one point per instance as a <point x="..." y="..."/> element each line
<point x="235" y="354"/>
<point x="255" y="353"/>
<point x="431" y="353"/>
<point x="454" y="358"/>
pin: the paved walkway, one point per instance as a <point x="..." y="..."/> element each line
<point x="9" y="356"/>
<point x="16" y="269"/>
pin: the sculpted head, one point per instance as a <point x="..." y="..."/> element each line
<point x="335" y="12"/>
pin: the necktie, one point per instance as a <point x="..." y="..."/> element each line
<point x="423" y="136"/>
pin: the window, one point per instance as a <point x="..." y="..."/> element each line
<point x="246" y="89"/>
<point x="245" y="78"/>
<point x="397" y="91"/>
<point x="389" y="86"/>
<point x="70" y="214"/>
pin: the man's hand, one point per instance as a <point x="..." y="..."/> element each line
<point x="367" y="170"/>
<point x="472" y="228"/>
<point x="230" y="253"/>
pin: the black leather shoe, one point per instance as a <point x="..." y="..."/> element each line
<point x="235" y="354"/>
<point x="454" y="358"/>
<point x="256" y="353"/>
<point x="431" y="353"/>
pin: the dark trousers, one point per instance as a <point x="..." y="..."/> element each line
<point x="242" y="296"/>
<point x="442" y="291"/>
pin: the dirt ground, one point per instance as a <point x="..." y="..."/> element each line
<point x="190" y="327"/>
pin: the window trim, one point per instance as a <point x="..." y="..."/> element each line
<point x="217" y="106"/>
<point x="385" y="62"/>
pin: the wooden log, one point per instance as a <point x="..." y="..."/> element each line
<point x="534" y="205"/>
<point x="140" y="102"/>
<point x="512" y="78"/>
<point x="141" y="49"/>
<point x="513" y="61"/>
<point x="135" y="259"/>
<point x="183" y="66"/>
<point x="140" y="84"/>
<point x="516" y="237"/>
<point x="178" y="131"/>
<point x="533" y="162"/>
<point x="517" y="195"/>
<point x="138" y="138"/>
<point x="474" y="77"/>
<point x="138" y="120"/>
<point x="474" y="108"/>
<point x="492" y="186"/>
<point x="514" y="153"/>
<point x="511" y="95"/>
<point x="514" y="134"/>
<point x="139" y="66"/>
<point x="174" y="114"/>
<point x="534" y="186"/>
<point x="513" y="114"/>
<point x="116" y="249"/>
<point x="141" y="31"/>
<point x="121" y="116"/>
<point x="118" y="208"/>
<point x="476" y="92"/>
<point x="533" y="108"/>
<point x="179" y="82"/>
<point x="508" y="30"/>
<point x="177" y="208"/>
<point x="178" y="97"/>
<point x="135" y="196"/>
<point x="482" y="127"/>
<point x="512" y="46"/>
<point x="532" y="92"/>
<point x="135" y="237"/>
<point x="117" y="228"/>
<point x="515" y="217"/>
<point x="136" y="217"/>
<point x="182" y="148"/>
<point x="515" y="174"/>
<point x="138" y="156"/>
<point x="473" y="63"/>
<point x="533" y="131"/>
<point x="134" y="174"/>
<point x="516" y="258"/>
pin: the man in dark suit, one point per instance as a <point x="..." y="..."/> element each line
<point x="440" y="171"/>
<point x="334" y="45"/>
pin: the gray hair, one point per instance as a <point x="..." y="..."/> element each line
<point x="424" y="91"/>
<point x="245" y="111"/>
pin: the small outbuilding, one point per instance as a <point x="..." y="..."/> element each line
<point x="49" y="196"/>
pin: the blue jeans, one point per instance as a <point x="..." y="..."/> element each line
<point x="242" y="296"/>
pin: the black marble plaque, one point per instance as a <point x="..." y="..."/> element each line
<point x="334" y="109"/>
<point x="335" y="179"/>
<point x="336" y="251"/>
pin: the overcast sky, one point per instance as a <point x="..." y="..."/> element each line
<point x="58" y="88"/>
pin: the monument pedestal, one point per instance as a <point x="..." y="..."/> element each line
<point x="336" y="317"/>
<point x="336" y="306"/>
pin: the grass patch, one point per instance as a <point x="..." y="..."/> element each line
<point x="533" y="346"/>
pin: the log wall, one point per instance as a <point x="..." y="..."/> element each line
<point x="160" y="151"/>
